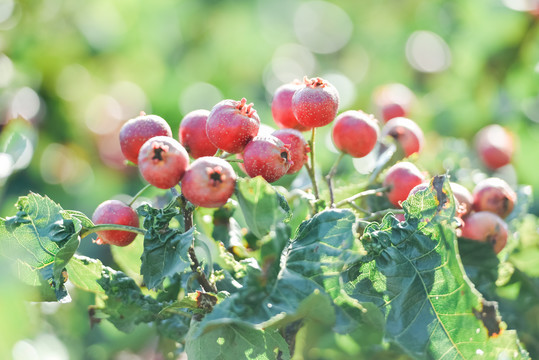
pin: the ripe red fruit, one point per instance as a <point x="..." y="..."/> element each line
<point x="232" y="124"/>
<point x="494" y="195"/>
<point x="281" y="107"/>
<point x="298" y="147"/>
<point x="209" y="182"/>
<point x="316" y="103"/>
<point x="393" y="100"/>
<point x="268" y="157"/>
<point x="486" y="227"/>
<point x="115" y="212"/>
<point x="137" y="131"/>
<point x="162" y="161"/>
<point x="192" y="134"/>
<point x="401" y="178"/>
<point x="494" y="146"/>
<point x="355" y="133"/>
<point x="464" y="199"/>
<point x="407" y="133"/>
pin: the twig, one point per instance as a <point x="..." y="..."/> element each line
<point x="137" y="195"/>
<point x="195" y="264"/>
<point x="310" y="167"/>
<point x="353" y="198"/>
<point x="104" y="227"/>
<point x="329" y="179"/>
<point x="381" y="213"/>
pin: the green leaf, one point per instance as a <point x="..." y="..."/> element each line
<point x="481" y="264"/>
<point x="233" y="342"/>
<point x="125" y="304"/>
<point x="311" y="263"/>
<point x="432" y="310"/>
<point x="84" y="273"/>
<point x="165" y="255"/>
<point x="41" y="238"/>
<point x="261" y="205"/>
<point x="165" y="249"/>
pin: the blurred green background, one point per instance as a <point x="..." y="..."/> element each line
<point x="72" y="72"/>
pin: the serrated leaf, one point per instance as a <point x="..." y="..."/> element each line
<point x="311" y="263"/>
<point x="233" y="342"/>
<point x="125" y="304"/>
<point x="84" y="273"/>
<point x="165" y="255"/>
<point x="261" y="205"/>
<point x="165" y="249"/>
<point x="41" y="238"/>
<point x="432" y="310"/>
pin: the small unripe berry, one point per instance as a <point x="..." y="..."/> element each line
<point x="494" y="146"/>
<point x="231" y="125"/>
<point x="298" y="148"/>
<point x="485" y="226"/>
<point x="192" y="134"/>
<point x="137" y="131"/>
<point x="268" y="157"/>
<point x="494" y="195"/>
<point x="115" y="212"/>
<point x="209" y="182"/>
<point x="355" y="133"/>
<point x="281" y="107"/>
<point x="162" y="161"/>
<point x="315" y="104"/>
<point x="407" y="133"/>
<point x="401" y="178"/>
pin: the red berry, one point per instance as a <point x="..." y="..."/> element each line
<point x="192" y="134"/>
<point x="268" y="157"/>
<point x="407" y="133"/>
<point x="464" y="199"/>
<point x="115" y="212"/>
<point x="393" y="100"/>
<point x="137" y="131"/>
<point x="298" y="147"/>
<point x="486" y="227"/>
<point x="316" y="103"/>
<point x="162" y="162"/>
<point x="494" y="195"/>
<point x="495" y="146"/>
<point x="401" y="178"/>
<point x="281" y="106"/>
<point x="209" y="182"/>
<point x="355" y="133"/>
<point x="232" y="124"/>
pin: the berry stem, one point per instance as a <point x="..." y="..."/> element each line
<point x="310" y="168"/>
<point x="137" y="195"/>
<point x="329" y="179"/>
<point x="219" y="153"/>
<point x="353" y="198"/>
<point x="102" y="227"/>
<point x="234" y="160"/>
<point x="384" y="159"/>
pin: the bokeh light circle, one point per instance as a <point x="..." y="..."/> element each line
<point x="322" y="27"/>
<point x="427" y="52"/>
<point x="199" y="95"/>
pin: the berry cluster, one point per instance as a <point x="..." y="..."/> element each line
<point x="233" y="128"/>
